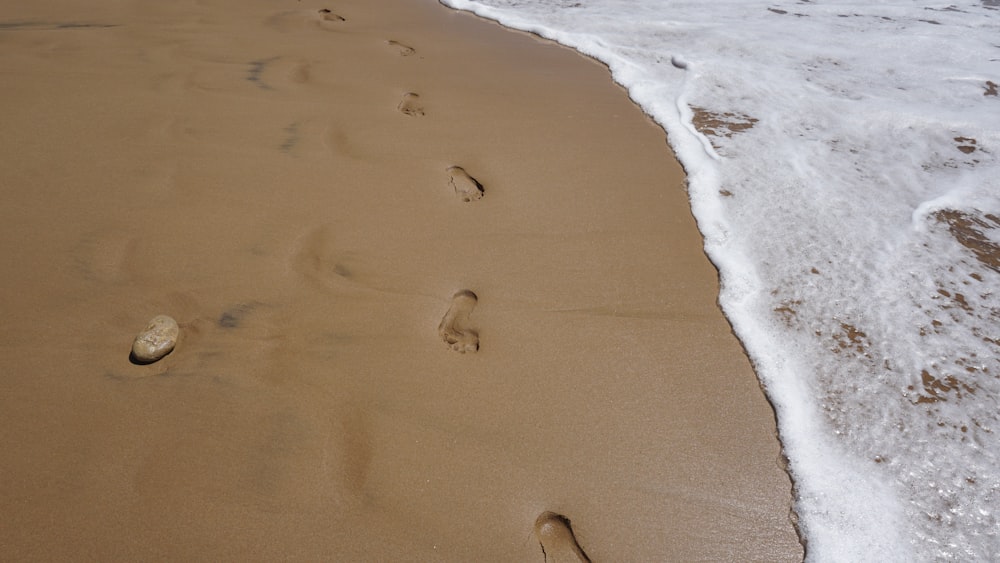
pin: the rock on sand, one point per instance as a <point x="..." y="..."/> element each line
<point x="156" y="340"/>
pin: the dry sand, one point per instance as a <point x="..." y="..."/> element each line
<point x="279" y="180"/>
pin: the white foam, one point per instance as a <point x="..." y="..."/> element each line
<point x="844" y="222"/>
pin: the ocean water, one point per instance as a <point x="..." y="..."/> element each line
<point x="843" y="168"/>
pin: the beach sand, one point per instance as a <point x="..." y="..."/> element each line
<point x="435" y="280"/>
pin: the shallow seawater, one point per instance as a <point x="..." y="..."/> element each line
<point x="842" y="160"/>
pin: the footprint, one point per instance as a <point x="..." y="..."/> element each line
<point x="410" y="105"/>
<point x="104" y="256"/>
<point x="233" y="317"/>
<point x="317" y="259"/>
<point x="283" y="71"/>
<point x="355" y="448"/>
<point x="556" y="537"/>
<point x="292" y="138"/>
<point x="450" y="329"/>
<point x="329" y="16"/>
<point x="255" y="70"/>
<point x="402" y="49"/>
<point x="466" y="187"/>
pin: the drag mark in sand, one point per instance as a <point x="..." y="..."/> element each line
<point x="410" y="105"/>
<point x="293" y="138"/>
<point x="466" y="187"/>
<point x="450" y="329"/>
<point x="15" y="26"/>
<point x="557" y="539"/>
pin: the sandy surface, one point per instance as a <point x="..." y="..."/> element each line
<point x="258" y="171"/>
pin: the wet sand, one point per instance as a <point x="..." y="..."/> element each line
<point x="439" y="292"/>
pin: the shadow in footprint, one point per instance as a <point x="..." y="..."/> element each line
<point x="466" y="187"/>
<point x="557" y="539"/>
<point x="451" y="327"/>
<point x="410" y="105"/>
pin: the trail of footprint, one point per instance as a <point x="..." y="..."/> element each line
<point x="558" y="543"/>
<point x="466" y="187"/>
<point x="289" y="448"/>
<point x="295" y="446"/>
<point x="450" y="329"/>
<point x="410" y="105"/>
<point x="401" y="48"/>
<point x="296" y="20"/>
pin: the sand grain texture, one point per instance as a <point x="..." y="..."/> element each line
<point x="245" y="167"/>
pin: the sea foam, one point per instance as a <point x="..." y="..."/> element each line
<point x="842" y="166"/>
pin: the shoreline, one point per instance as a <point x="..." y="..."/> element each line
<point x="282" y="183"/>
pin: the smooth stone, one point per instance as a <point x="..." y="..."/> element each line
<point x="156" y="341"/>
